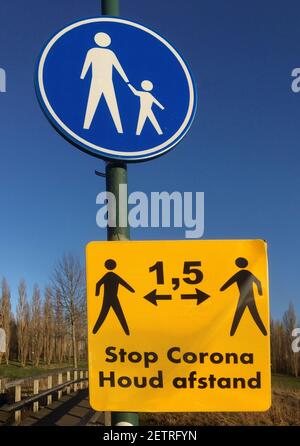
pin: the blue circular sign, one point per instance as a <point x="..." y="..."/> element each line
<point x="116" y="89"/>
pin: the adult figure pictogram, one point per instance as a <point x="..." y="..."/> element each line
<point x="103" y="61"/>
<point x="111" y="282"/>
<point x="245" y="281"/>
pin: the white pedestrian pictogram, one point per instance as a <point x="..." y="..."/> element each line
<point x="103" y="61"/>
<point x="146" y="101"/>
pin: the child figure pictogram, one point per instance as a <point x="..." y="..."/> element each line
<point x="146" y="102"/>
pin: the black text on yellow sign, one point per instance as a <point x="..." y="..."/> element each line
<point x="178" y="325"/>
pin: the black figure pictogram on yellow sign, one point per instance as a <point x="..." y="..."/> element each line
<point x="111" y="282"/>
<point x="245" y="281"/>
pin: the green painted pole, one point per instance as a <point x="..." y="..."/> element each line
<point x="110" y="7"/>
<point x="116" y="175"/>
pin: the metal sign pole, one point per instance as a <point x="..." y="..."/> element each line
<point x="116" y="174"/>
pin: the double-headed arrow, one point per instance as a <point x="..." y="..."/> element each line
<point x="200" y="296"/>
<point x="153" y="297"/>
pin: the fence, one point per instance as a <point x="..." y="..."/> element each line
<point x="28" y="392"/>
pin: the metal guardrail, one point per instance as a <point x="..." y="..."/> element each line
<point x="19" y="404"/>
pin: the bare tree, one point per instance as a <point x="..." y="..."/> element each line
<point x="23" y="320"/>
<point x="279" y="352"/>
<point x="289" y="323"/>
<point x="49" y="326"/>
<point x="5" y="310"/>
<point x="81" y="330"/>
<point x="68" y="283"/>
<point x="36" y="327"/>
<point x="60" y="330"/>
<point x="13" y="350"/>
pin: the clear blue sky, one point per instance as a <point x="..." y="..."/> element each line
<point x="242" y="150"/>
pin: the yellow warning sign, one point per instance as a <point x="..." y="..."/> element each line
<point x="178" y="326"/>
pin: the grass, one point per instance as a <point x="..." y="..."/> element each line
<point x="15" y="371"/>
<point x="285" y="382"/>
<point x="283" y="412"/>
